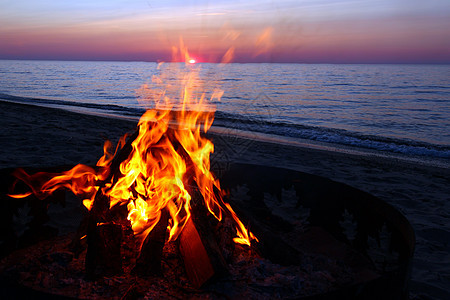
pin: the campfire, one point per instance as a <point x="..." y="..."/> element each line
<point x="158" y="182"/>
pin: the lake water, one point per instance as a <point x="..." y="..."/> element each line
<point x="400" y="110"/>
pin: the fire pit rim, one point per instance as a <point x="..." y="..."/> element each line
<point x="396" y="280"/>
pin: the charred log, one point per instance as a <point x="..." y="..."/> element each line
<point x="103" y="256"/>
<point x="104" y="238"/>
<point x="149" y="260"/>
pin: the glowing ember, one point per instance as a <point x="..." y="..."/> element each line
<point x="169" y="162"/>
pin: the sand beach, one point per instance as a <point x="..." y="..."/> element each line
<point x="35" y="136"/>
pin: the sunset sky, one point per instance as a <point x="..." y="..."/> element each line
<point x="310" y="31"/>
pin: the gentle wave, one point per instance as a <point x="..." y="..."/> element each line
<point x="334" y="136"/>
<point x="283" y="129"/>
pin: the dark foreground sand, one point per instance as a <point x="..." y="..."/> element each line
<point x="36" y="136"/>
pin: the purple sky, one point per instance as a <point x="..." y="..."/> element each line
<point x="311" y="31"/>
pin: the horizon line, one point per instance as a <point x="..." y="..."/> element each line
<point x="237" y="62"/>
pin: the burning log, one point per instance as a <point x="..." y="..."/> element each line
<point x="198" y="265"/>
<point x="122" y="155"/>
<point x="203" y="259"/>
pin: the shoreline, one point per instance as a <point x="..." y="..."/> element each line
<point x="425" y="161"/>
<point x="40" y="136"/>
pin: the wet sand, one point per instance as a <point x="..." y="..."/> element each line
<point x="42" y="137"/>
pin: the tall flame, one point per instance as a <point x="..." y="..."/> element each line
<point x="168" y="166"/>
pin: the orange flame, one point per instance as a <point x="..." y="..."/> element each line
<point x="169" y="161"/>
